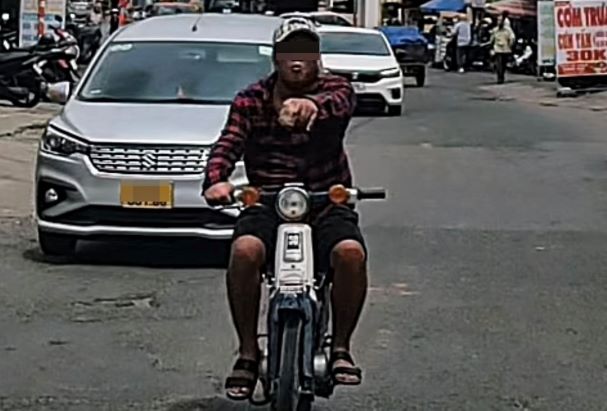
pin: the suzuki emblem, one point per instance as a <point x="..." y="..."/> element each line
<point x="149" y="160"/>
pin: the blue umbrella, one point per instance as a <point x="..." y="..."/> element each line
<point x="436" y="6"/>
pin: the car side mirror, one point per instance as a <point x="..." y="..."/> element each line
<point x="59" y="92"/>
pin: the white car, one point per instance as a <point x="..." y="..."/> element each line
<point x="321" y="18"/>
<point x="365" y="57"/>
<point x="127" y="154"/>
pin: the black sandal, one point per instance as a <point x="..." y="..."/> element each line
<point x="248" y="366"/>
<point x="349" y="371"/>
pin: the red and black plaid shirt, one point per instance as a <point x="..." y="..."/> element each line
<point x="274" y="155"/>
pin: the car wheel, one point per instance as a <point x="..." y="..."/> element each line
<point x="420" y="78"/>
<point x="56" y="244"/>
<point x="395" y="111"/>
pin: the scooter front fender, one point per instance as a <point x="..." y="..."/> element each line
<point x="282" y="306"/>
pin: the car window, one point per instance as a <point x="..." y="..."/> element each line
<point x="331" y="20"/>
<point x="353" y="43"/>
<point x="173" y="9"/>
<point x="164" y="71"/>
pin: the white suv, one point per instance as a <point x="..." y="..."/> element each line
<point x="127" y="154"/>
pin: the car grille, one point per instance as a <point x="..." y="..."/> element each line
<point x="361" y="77"/>
<point x="149" y="159"/>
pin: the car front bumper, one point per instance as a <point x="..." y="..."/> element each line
<point x="87" y="203"/>
<point x="386" y="92"/>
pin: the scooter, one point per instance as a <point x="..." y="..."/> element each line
<point x="22" y="79"/>
<point x="8" y="37"/>
<point x="67" y="51"/>
<point x="524" y="57"/>
<point x="88" y="36"/>
<point x="295" y="354"/>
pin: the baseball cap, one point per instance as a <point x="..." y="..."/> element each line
<point x="293" y="25"/>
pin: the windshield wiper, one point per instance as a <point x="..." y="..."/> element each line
<point x="103" y="99"/>
<point x="175" y="100"/>
<point x="187" y="100"/>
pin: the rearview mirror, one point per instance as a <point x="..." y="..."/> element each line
<point x="59" y="92"/>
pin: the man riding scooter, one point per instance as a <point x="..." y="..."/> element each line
<point x="290" y="127"/>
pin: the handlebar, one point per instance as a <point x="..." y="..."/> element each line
<point x="318" y="197"/>
<point x="371" y="194"/>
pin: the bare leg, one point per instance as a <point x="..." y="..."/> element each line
<point x="244" y="284"/>
<point x="348" y="297"/>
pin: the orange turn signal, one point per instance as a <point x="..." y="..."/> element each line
<point x="338" y="194"/>
<point x="250" y="196"/>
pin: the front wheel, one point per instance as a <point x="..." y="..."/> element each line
<point x="287" y="391"/>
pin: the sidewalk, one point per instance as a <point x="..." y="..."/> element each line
<point x="14" y="120"/>
<point x="528" y="89"/>
<point x="20" y="131"/>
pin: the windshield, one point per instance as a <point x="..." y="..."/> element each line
<point x="174" y="9"/>
<point x="353" y="43"/>
<point x="181" y="72"/>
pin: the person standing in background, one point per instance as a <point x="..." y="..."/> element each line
<point x="502" y="39"/>
<point x="463" y="37"/>
<point x="96" y="16"/>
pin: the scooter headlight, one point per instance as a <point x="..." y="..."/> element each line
<point x="293" y="203"/>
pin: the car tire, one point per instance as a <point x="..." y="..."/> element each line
<point x="420" y="78"/>
<point x="57" y="245"/>
<point x="395" y="111"/>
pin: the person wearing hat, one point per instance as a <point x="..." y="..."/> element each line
<point x="502" y="39"/>
<point x="290" y="127"/>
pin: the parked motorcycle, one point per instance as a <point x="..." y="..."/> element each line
<point x="88" y="36"/>
<point x="64" y="67"/>
<point x="524" y="59"/>
<point x="8" y="37"/>
<point x="21" y="78"/>
<point x="478" y="57"/>
<point x="24" y="73"/>
<point x="295" y="366"/>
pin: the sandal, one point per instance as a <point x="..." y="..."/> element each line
<point x="347" y="371"/>
<point x="242" y="382"/>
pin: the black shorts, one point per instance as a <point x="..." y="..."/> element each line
<point x="333" y="226"/>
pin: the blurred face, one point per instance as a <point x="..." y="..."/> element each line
<point x="297" y="60"/>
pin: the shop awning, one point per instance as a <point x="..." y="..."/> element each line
<point x="436" y="6"/>
<point x="516" y="8"/>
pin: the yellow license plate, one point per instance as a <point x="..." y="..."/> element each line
<point x="146" y="194"/>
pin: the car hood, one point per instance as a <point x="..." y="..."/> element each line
<point x="347" y="62"/>
<point x="143" y="123"/>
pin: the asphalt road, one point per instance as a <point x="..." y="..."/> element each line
<point x="487" y="267"/>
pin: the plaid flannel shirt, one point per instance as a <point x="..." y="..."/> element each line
<point x="274" y="155"/>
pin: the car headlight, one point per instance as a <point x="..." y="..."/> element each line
<point x="393" y="72"/>
<point x="55" y="143"/>
<point x="292" y="203"/>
